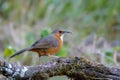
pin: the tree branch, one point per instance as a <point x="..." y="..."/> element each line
<point x="74" y="68"/>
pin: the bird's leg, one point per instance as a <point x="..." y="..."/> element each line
<point x="40" y="62"/>
<point x="53" y="56"/>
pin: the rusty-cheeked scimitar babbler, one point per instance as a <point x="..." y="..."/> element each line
<point x="46" y="46"/>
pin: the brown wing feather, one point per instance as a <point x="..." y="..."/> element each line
<point x="47" y="42"/>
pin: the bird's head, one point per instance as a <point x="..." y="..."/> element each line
<point x="60" y="33"/>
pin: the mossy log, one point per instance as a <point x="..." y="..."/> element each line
<point x="74" y="68"/>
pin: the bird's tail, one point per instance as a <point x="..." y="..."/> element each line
<point x="19" y="52"/>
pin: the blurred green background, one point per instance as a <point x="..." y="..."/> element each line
<point x="95" y="26"/>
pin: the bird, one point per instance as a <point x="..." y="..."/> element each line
<point x="46" y="46"/>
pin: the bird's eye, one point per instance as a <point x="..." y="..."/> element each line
<point x="60" y="32"/>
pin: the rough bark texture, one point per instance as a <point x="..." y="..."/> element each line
<point x="74" y="68"/>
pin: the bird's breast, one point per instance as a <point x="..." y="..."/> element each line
<point x="56" y="49"/>
<point x="56" y="43"/>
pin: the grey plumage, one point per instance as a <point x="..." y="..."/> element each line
<point x="45" y="43"/>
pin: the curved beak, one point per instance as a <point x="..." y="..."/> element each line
<point x="67" y="32"/>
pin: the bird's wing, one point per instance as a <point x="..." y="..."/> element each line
<point x="47" y="42"/>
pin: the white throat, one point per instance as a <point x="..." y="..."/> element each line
<point x="62" y="37"/>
